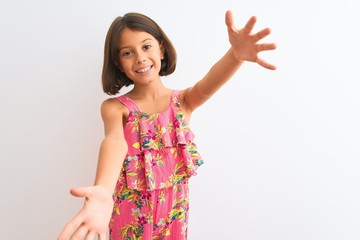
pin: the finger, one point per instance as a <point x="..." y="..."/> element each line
<point x="70" y="227"/>
<point x="80" y="233"/>
<point x="90" y="236"/>
<point x="265" y="64"/>
<point x="80" y="192"/>
<point x="229" y="20"/>
<point x="250" y="25"/>
<point x="261" y="34"/>
<point x="102" y="236"/>
<point x="265" y="47"/>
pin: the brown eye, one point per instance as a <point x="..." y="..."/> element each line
<point x="147" y="47"/>
<point x="126" y="53"/>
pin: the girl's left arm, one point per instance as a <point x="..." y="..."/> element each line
<point x="244" y="47"/>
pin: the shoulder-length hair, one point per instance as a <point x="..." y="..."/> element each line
<point x="113" y="79"/>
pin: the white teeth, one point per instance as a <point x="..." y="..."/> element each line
<point x="144" y="70"/>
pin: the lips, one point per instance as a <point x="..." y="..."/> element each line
<point x="144" y="70"/>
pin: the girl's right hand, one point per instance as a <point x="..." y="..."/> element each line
<point x="93" y="218"/>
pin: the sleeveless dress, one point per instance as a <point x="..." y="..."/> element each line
<point x="151" y="198"/>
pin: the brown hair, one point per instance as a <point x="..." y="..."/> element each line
<point x="112" y="77"/>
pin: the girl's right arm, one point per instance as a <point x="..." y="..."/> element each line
<point x="93" y="218"/>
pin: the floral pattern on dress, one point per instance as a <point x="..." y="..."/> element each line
<point x="151" y="197"/>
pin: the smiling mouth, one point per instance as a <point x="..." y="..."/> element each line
<point x="144" y="70"/>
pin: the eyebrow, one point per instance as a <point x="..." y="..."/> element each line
<point x="146" y="39"/>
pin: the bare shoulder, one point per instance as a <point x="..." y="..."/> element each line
<point x="182" y="95"/>
<point x="113" y="108"/>
<point x="183" y="99"/>
<point x="193" y="97"/>
<point x="114" y="114"/>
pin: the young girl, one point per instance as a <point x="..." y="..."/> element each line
<point x="148" y="153"/>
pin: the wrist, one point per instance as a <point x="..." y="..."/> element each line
<point x="235" y="57"/>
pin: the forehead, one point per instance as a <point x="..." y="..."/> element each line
<point x="129" y="37"/>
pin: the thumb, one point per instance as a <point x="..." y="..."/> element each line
<point x="229" y="20"/>
<point x="81" y="191"/>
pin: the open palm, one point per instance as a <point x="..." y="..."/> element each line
<point x="94" y="216"/>
<point x="245" y="44"/>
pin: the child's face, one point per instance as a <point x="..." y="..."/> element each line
<point x="140" y="56"/>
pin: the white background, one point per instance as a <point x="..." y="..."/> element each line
<point x="281" y="148"/>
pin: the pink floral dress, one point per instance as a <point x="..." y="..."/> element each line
<point x="151" y="199"/>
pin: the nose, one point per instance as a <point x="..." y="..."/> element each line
<point x="140" y="58"/>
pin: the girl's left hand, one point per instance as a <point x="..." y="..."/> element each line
<point x="245" y="45"/>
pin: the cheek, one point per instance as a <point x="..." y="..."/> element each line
<point x="124" y="66"/>
<point x="159" y="58"/>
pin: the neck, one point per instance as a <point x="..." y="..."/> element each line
<point x="148" y="91"/>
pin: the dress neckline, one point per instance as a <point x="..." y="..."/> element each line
<point x="151" y="114"/>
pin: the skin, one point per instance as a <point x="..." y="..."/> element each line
<point x="140" y="59"/>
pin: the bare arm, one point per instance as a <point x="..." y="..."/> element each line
<point x="93" y="218"/>
<point x="244" y="47"/>
<point x="113" y="148"/>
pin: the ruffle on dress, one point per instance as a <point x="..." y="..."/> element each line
<point x="163" y="153"/>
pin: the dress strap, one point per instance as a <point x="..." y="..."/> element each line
<point x="175" y="94"/>
<point x="130" y="104"/>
